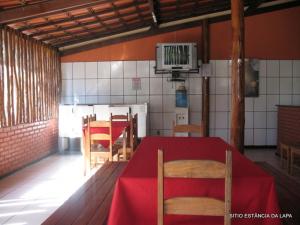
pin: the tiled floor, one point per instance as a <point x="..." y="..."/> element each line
<point x="30" y="195"/>
<point x="268" y="155"/>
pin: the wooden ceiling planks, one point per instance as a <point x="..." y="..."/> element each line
<point x="70" y="22"/>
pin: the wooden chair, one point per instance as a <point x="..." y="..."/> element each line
<point x="284" y="153"/>
<point x="119" y="117"/>
<point x="187" y="128"/>
<point x="127" y="153"/>
<point x="92" y="117"/>
<point x="204" y="206"/>
<point x="85" y="141"/>
<point x="294" y="152"/>
<point x="98" y="150"/>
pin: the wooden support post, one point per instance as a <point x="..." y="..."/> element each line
<point x="205" y="80"/>
<point x="237" y="76"/>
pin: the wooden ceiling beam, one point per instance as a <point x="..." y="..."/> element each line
<point x="138" y="11"/>
<point x="252" y="7"/>
<point x="171" y="28"/>
<point x="116" y="31"/>
<point x="258" y="11"/>
<point x="148" y="33"/>
<point x="98" y="19"/>
<point x="94" y="31"/>
<point x="46" y="8"/>
<point x="154" y="10"/>
<point x="69" y="27"/>
<point x="119" y="16"/>
<point x="169" y="15"/>
<point x="125" y="6"/>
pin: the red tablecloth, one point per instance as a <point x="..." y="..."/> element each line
<point x="117" y="129"/>
<point x="135" y="195"/>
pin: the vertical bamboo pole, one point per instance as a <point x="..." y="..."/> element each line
<point x="2" y="109"/>
<point x="8" y="83"/>
<point x="237" y="76"/>
<point x="12" y="75"/>
<point x="27" y="80"/>
<point x="17" y="77"/>
<point x="205" y="80"/>
<point x="22" y="67"/>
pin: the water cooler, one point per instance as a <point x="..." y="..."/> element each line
<point x="181" y="109"/>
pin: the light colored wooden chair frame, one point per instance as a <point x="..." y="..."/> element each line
<point x="112" y="148"/>
<point x="284" y="152"/>
<point x="293" y="152"/>
<point x="205" y="206"/>
<point x="187" y="128"/>
<point x="119" y="117"/>
<point x="133" y="141"/>
<point x="85" y="141"/>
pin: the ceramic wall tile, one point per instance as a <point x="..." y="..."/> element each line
<point x="67" y="70"/>
<point x="129" y="69"/>
<point x="103" y="69"/>
<point x="143" y="68"/>
<point x="91" y="70"/>
<point x="78" y="70"/>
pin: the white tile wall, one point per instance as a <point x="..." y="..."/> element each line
<point x="103" y="69"/>
<point x="129" y="69"/>
<point x="116" y="86"/>
<point x="156" y="86"/>
<point x="116" y="68"/>
<point x="296" y="68"/>
<point x="78" y="70"/>
<point x="143" y="68"/>
<point x="67" y="70"/>
<point x="79" y="87"/>
<point x="91" y="87"/>
<point x="91" y="70"/>
<point x="104" y="87"/>
<point x="110" y="82"/>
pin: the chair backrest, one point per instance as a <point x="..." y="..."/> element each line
<point x="92" y="117"/>
<point x="85" y="121"/>
<point x="205" y="206"/>
<point x="187" y="128"/>
<point x="283" y="146"/>
<point x="133" y="131"/>
<point x="100" y="135"/>
<point x="119" y="117"/>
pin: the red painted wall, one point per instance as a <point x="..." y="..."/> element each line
<point x="272" y="35"/>
<point x="25" y="143"/>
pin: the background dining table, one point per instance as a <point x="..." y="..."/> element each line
<point x="135" y="195"/>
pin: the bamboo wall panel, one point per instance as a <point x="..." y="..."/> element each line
<point x="30" y="79"/>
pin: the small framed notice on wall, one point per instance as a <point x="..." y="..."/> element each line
<point x="136" y="84"/>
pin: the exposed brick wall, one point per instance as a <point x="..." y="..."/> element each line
<point x="25" y="143"/>
<point x="289" y="124"/>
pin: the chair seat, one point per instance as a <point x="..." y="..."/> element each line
<point x="100" y="148"/>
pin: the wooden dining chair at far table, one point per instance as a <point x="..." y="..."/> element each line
<point x="284" y="150"/>
<point x="123" y="118"/>
<point x="84" y="139"/>
<point x="187" y="128"/>
<point x="101" y="143"/>
<point x="132" y="141"/>
<point x="294" y="154"/>
<point x="194" y="206"/>
<point x="119" y="117"/>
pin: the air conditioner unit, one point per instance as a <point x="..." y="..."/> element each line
<point x="176" y="57"/>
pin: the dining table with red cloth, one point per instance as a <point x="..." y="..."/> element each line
<point x="135" y="196"/>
